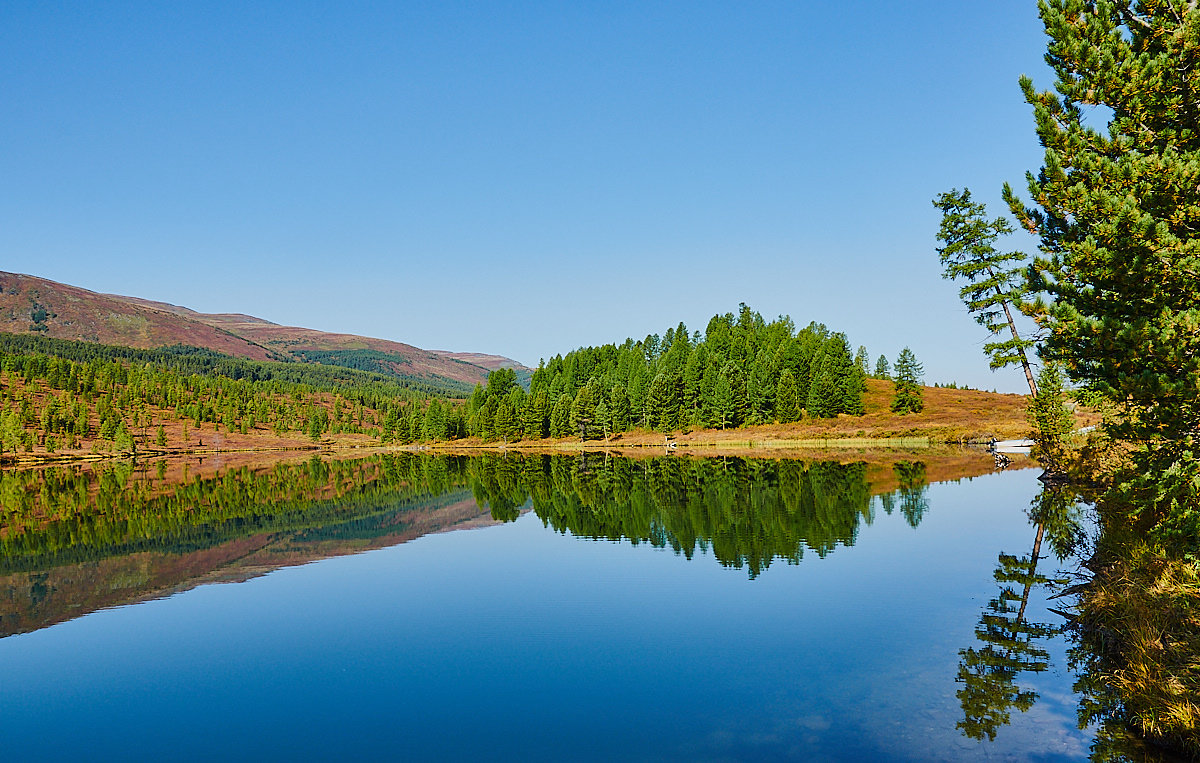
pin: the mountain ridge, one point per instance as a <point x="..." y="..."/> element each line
<point x="33" y="305"/>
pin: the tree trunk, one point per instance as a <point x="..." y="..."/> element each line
<point x="1037" y="549"/>
<point x="1024" y="359"/>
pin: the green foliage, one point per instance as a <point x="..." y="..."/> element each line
<point x="882" y="369"/>
<point x="787" y="398"/>
<point x="908" y="397"/>
<point x="1049" y="418"/>
<point x="995" y="280"/>
<point x="583" y="411"/>
<point x="1117" y="212"/>
<point x="560" y="419"/>
<point x="727" y="377"/>
<point x="318" y="422"/>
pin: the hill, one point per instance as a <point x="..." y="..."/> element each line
<point x="32" y="305"/>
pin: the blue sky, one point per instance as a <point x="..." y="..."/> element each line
<point x="517" y="178"/>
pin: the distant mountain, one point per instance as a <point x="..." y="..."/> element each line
<point x="32" y="305"/>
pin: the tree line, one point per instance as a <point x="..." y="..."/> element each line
<point x="63" y="395"/>
<point x="742" y="370"/>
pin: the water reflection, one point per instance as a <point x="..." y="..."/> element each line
<point x="746" y="513"/>
<point x="871" y="677"/>
<point x="74" y="539"/>
<point x="1009" y="642"/>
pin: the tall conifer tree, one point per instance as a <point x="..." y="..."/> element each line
<point x="1118" y="213"/>
<point x="908" y="397"/>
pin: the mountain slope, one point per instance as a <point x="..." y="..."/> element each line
<point x="36" y="305"/>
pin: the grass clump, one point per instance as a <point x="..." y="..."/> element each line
<point x="1139" y="647"/>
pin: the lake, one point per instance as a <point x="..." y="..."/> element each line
<point x="505" y="607"/>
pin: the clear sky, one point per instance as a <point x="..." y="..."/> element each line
<point x="517" y="178"/>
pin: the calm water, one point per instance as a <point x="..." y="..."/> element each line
<point x="534" y="609"/>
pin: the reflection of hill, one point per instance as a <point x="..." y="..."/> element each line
<point x="73" y="540"/>
<point x="33" y="600"/>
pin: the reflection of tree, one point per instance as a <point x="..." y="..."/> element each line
<point x="496" y="482"/>
<point x="913" y="489"/>
<point x="1009" y="642"/>
<point x="746" y="512"/>
<point x="1136" y="649"/>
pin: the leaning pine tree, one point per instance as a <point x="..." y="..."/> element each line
<point x="995" y="281"/>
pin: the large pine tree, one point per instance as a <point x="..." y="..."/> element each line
<point x="1118" y="212"/>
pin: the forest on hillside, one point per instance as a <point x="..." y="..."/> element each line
<point x="64" y="395"/>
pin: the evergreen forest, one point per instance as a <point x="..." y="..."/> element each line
<point x="741" y="370"/>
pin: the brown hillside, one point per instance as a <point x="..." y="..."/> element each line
<point x="35" y="305"/>
<point x="74" y="313"/>
<point x="290" y="341"/>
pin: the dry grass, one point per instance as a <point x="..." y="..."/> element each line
<point x="950" y="416"/>
<point x="1144" y="610"/>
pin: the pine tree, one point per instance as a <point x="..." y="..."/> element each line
<point x="663" y="401"/>
<point x="620" y="408"/>
<point x="738" y="395"/>
<point x="908" y="394"/>
<point x="849" y="379"/>
<point x="560" y="419"/>
<point x="505" y="426"/>
<point x="604" y="418"/>
<point x="787" y="399"/>
<point x="722" y="402"/>
<point x="1052" y="423"/>
<point x="882" y="369"/>
<point x="535" y="417"/>
<point x="995" y="280"/>
<point x="863" y="361"/>
<point x="583" y="411"/>
<point x="1118" y="212"/>
<point x="823" y="394"/>
<point x="435" y="421"/>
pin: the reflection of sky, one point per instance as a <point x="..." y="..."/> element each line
<point x="518" y="642"/>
